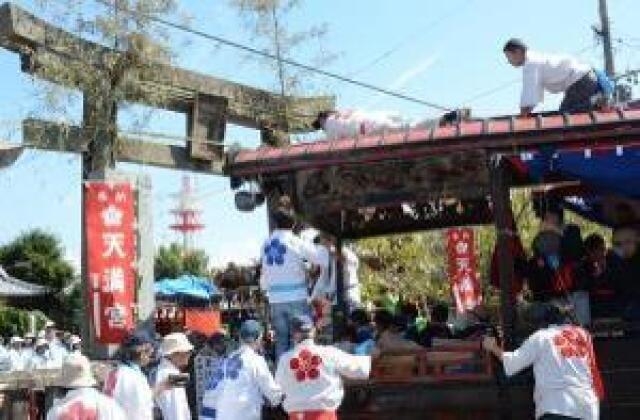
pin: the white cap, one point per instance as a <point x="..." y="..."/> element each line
<point x="41" y="342"/>
<point x="76" y="373"/>
<point x="175" y="343"/>
<point x="75" y="339"/>
<point x="49" y="324"/>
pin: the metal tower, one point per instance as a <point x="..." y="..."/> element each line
<point x="187" y="214"/>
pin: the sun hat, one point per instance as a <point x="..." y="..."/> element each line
<point x="76" y="373"/>
<point x="175" y="343"/>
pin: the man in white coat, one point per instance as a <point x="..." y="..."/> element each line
<point x="283" y="275"/>
<point x="567" y="380"/>
<point x="311" y="375"/>
<point x="127" y="384"/>
<point x="237" y="390"/>
<point x="176" y="351"/>
<point x="14" y="355"/>
<point x="82" y="401"/>
<point x="41" y="358"/>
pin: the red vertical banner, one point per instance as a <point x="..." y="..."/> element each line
<point x="111" y="259"/>
<point x="463" y="269"/>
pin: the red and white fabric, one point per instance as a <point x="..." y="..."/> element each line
<point x="311" y="378"/>
<point x="567" y="379"/>
<point x="86" y="404"/>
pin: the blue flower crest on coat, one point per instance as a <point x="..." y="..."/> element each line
<point x="229" y="369"/>
<point x="274" y="252"/>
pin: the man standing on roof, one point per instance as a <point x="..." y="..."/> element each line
<point x="567" y="380"/>
<point x="582" y="85"/>
<point x="311" y="375"/>
<point x="283" y="275"/>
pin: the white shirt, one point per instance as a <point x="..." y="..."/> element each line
<point x="567" y="380"/>
<point x="129" y="387"/>
<point x="86" y="404"/>
<point x="15" y="360"/>
<point x="283" y="276"/>
<point x="40" y="361"/>
<point x="173" y="403"/>
<point x="351" y="281"/>
<point x="57" y="353"/>
<point x="237" y="391"/>
<point x="355" y="123"/>
<point x="311" y="376"/>
<point x="325" y="286"/>
<point x="553" y="73"/>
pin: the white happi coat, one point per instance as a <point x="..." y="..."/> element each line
<point x="173" y="402"/>
<point x="355" y="123"/>
<point x="567" y="380"/>
<point x="40" y="361"/>
<point x="15" y="360"/>
<point x="237" y="390"/>
<point x="283" y="275"/>
<point x="311" y="376"/>
<point x="57" y="353"/>
<point x="86" y="404"/>
<point x="129" y="387"/>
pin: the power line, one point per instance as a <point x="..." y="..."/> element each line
<point x="265" y="54"/>
<point x="408" y="39"/>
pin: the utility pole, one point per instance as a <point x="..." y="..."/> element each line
<point x="605" y="33"/>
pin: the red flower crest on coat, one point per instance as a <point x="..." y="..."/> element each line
<point x="306" y="366"/>
<point x="571" y="343"/>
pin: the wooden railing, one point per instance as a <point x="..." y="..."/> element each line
<point x="447" y="360"/>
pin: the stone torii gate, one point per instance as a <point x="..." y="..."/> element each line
<point x="107" y="76"/>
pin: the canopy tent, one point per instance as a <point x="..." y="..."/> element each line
<point x="608" y="176"/>
<point x="186" y="286"/>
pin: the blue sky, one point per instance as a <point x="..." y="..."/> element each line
<point x="448" y="52"/>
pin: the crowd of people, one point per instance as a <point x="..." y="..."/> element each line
<point x="580" y="271"/>
<point x="45" y="350"/>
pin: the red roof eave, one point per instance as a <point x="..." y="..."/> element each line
<point x="504" y="134"/>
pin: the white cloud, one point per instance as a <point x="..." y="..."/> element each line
<point x="411" y="73"/>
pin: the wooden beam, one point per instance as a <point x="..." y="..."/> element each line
<point x="44" y="48"/>
<point x="501" y="199"/>
<point x="44" y="135"/>
<point x="9" y="153"/>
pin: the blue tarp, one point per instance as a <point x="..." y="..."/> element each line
<point x="186" y="286"/>
<point x="609" y="172"/>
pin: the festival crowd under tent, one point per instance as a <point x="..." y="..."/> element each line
<point x="187" y="303"/>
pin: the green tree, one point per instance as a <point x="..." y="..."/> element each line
<point x="173" y="261"/>
<point x="37" y="257"/>
<point x="414" y="265"/>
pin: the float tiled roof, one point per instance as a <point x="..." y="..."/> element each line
<point x="496" y="134"/>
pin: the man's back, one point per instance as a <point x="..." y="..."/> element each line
<point x="86" y="404"/>
<point x="565" y="370"/>
<point x="238" y="387"/>
<point x="129" y="387"/>
<point x="311" y="376"/>
<point x="283" y="269"/>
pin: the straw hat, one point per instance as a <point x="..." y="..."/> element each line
<point x="76" y="373"/>
<point x="175" y="343"/>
